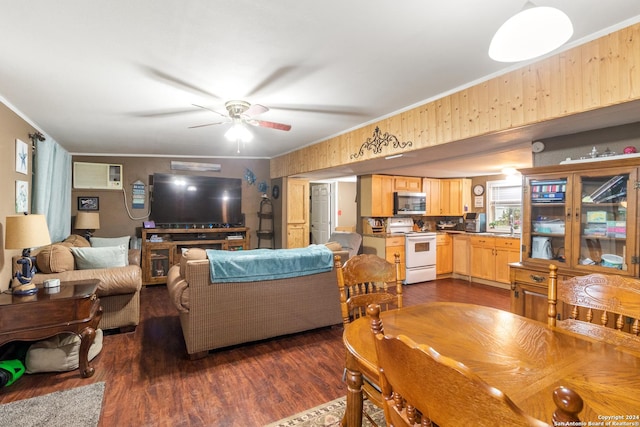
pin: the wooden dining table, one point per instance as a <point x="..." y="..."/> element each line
<point x="524" y="358"/>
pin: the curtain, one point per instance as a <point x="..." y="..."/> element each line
<point x="52" y="187"/>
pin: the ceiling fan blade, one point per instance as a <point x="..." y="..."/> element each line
<point x="270" y="125"/>
<point x="255" y="110"/>
<point x="209" y="109"/>
<point x="207" y="124"/>
<point x="179" y="83"/>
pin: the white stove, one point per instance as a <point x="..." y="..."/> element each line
<point x="420" y="250"/>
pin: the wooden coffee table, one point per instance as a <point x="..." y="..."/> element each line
<point x="74" y="308"/>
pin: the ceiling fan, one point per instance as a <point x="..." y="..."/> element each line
<point x="242" y="112"/>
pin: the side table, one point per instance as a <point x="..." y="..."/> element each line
<point x="73" y="307"/>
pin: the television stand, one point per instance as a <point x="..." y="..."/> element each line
<point x="162" y="247"/>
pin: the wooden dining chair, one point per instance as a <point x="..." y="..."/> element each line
<point x="615" y="297"/>
<point x="367" y="279"/>
<point x="362" y="280"/>
<point x="421" y="387"/>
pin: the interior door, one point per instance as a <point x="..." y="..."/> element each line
<point x="297" y="215"/>
<point x="320" y="213"/>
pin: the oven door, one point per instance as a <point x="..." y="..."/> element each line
<point x="420" y="250"/>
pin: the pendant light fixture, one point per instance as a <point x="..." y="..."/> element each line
<point x="533" y="32"/>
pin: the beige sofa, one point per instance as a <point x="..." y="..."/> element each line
<point x="118" y="290"/>
<point x="216" y="315"/>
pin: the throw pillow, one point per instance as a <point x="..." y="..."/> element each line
<point x="55" y="258"/>
<point x="102" y="242"/>
<point x="77" y="241"/>
<point x="90" y="258"/>
<point x="59" y="353"/>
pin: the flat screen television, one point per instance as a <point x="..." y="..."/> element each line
<point x="196" y="200"/>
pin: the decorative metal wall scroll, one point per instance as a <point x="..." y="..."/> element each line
<point x="377" y="141"/>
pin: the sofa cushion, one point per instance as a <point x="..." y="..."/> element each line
<point x="102" y="242"/>
<point x="55" y="258"/>
<point x="107" y="257"/>
<point x="77" y="241"/>
<point x="189" y="255"/>
<point x="59" y="353"/>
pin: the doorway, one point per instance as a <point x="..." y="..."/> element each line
<point x="321" y="208"/>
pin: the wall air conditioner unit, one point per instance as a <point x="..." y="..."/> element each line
<point x="97" y="176"/>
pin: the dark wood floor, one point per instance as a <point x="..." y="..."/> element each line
<point x="150" y="382"/>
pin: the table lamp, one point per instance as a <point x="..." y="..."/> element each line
<point x="26" y="232"/>
<point x="89" y="222"/>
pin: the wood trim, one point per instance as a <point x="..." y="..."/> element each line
<point x="598" y="74"/>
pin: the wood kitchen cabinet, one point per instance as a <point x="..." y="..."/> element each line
<point x="395" y="245"/>
<point x="455" y="196"/>
<point x="386" y="247"/>
<point x="507" y="251"/>
<point x="461" y="255"/>
<point x="444" y="254"/>
<point x="447" y="197"/>
<point x="376" y="195"/>
<point x="482" y="257"/>
<point x="431" y="187"/>
<point x="407" y="183"/>
<point x="491" y="256"/>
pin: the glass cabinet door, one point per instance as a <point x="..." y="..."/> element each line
<point x="547" y="231"/>
<point x="159" y="265"/>
<point x="603" y="209"/>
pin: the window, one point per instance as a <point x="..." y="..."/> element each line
<point x="504" y="206"/>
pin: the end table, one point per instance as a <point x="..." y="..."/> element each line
<point x="73" y="307"/>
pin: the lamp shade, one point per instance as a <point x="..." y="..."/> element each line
<point x="239" y="132"/>
<point x="533" y="32"/>
<point x="88" y="221"/>
<point x="26" y="231"/>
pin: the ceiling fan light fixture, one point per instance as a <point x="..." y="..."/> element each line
<point x="532" y="32"/>
<point x="239" y="132"/>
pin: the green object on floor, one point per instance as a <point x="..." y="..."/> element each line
<point x="10" y="371"/>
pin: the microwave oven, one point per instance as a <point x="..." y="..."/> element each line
<point x="405" y="203"/>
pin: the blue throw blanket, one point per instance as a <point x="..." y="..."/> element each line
<point x="268" y="264"/>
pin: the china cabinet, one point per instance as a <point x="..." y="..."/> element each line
<point x="584" y="220"/>
<point x="582" y="217"/>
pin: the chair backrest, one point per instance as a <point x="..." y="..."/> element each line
<point x="420" y="385"/>
<point x="366" y="279"/>
<point x="612" y="294"/>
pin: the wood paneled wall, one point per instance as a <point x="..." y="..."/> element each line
<point x="598" y="74"/>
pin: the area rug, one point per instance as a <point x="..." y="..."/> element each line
<point x="329" y="415"/>
<point x="78" y="407"/>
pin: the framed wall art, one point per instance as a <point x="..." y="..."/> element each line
<point x="22" y="196"/>
<point x="88" y="203"/>
<point x="22" y="157"/>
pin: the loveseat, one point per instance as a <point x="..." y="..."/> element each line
<point x="216" y="315"/>
<point x="119" y="287"/>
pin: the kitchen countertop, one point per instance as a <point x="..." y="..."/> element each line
<point x="499" y="235"/>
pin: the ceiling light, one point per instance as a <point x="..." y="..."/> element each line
<point x="238" y="132"/>
<point x="533" y="32"/>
